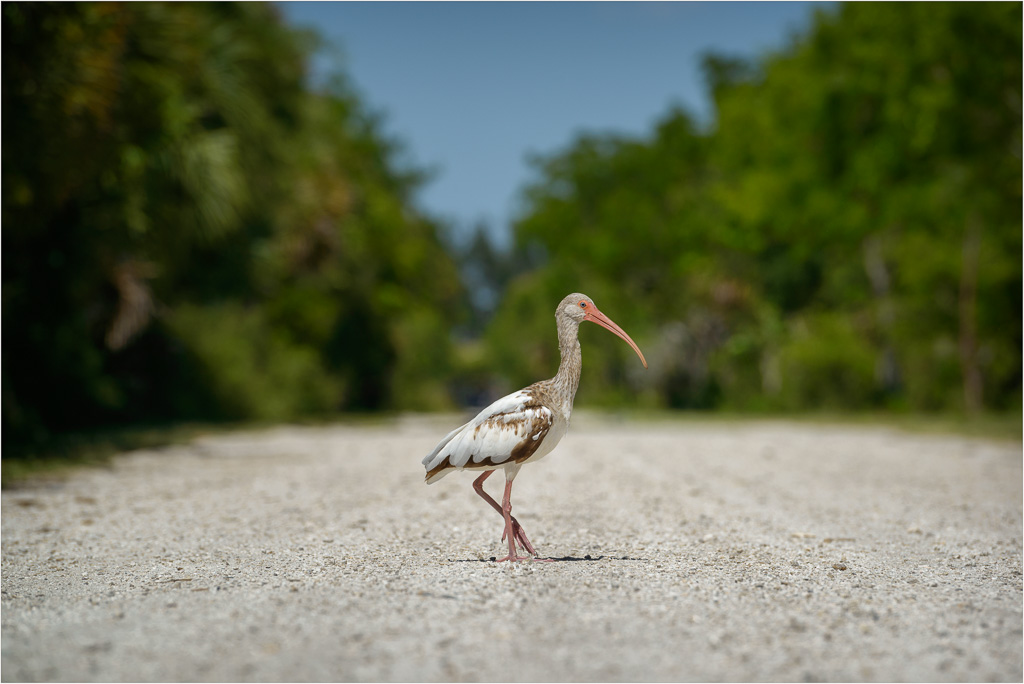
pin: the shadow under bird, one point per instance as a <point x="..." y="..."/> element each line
<point x="524" y="426"/>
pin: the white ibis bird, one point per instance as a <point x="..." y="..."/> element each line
<point x="525" y="425"/>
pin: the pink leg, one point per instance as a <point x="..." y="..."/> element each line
<point x="519" y="533"/>
<point x="506" y="509"/>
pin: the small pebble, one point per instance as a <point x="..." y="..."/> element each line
<point x="839" y="566"/>
<point x="587" y="557"/>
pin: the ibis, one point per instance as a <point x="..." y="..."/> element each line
<point x="524" y="426"/>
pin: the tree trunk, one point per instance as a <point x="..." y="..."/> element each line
<point x="968" y="316"/>
<point x="887" y="372"/>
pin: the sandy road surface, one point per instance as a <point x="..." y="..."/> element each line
<point x="718" y="551"/>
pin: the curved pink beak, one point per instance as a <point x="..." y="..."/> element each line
<point x="595" y="316"/>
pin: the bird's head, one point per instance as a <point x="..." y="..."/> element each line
<point x="579" y="308"/>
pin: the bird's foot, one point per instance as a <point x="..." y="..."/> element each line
<point x="520" y="537"/>
<point x="511" y="558"/>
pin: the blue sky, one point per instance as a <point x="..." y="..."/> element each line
<point x="473" y="88"/>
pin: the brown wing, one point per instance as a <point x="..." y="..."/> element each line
<point x="508" y="431"/>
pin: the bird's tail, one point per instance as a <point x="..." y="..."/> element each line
<point x="437" y="466"/>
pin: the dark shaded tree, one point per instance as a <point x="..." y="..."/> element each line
<point x="191" y="232"/>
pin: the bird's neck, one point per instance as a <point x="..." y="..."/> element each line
<point x="567" y="380"/>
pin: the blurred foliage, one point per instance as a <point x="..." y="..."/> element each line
<point x="190" y="232"/>
<point x="847" y="235"/>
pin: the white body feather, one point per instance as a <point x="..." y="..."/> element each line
<point x="493" y="439"/>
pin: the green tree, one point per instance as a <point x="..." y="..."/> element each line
<point x="846" y="234"/>
<point x="629" y="222"/>
<point x="873" y="165"/>
<point x="191" y="232"/>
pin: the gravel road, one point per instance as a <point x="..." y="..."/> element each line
<point x="689" y="551"/>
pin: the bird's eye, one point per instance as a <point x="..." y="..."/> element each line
<point x="583" y="305"/>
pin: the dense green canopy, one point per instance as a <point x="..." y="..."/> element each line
<point x="192" y="232"/>
<point x="847" y="235"/>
